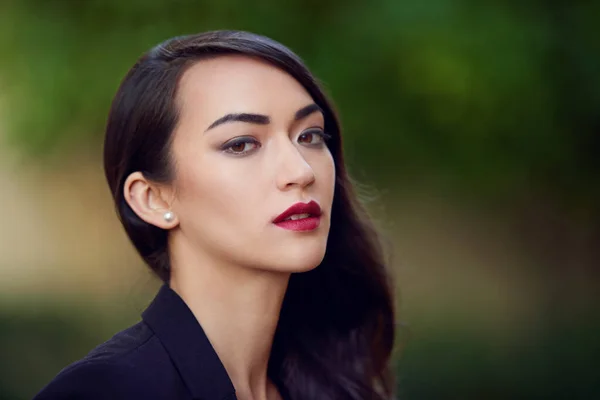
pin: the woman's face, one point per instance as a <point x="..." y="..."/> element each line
<point x="248" y="145"/>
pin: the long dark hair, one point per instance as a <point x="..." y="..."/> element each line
<point x="336" y="329"/>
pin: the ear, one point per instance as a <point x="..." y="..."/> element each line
<point x="148" y="201"/>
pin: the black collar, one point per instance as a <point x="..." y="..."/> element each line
<point x="184" y="339"/>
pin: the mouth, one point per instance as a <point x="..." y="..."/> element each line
<point x="300" y="217"/>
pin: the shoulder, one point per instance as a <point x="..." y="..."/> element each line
<point x="135" y="340"/>
<point x="86" y="380"/>
<point x="126" y="366"/>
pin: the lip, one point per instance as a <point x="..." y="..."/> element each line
<point x="300" y="225"/>
<point x="311" y="208"/>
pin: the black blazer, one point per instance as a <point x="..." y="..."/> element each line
<point x="165" y="356"/>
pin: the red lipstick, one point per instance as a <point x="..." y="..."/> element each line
<point x="300" y="217"/>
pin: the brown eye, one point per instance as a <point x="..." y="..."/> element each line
<point x="307" y="138"/>
<point x="314" y="137"/>
<point x="240" y="146"/>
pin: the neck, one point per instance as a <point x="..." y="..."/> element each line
<point x="238" y="308"/>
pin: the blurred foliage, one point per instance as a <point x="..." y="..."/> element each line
<point x="495" y="96"/>
<point x="457" y="362"/>
<point x="37" y="342"/>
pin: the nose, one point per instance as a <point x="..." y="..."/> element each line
<point x="292" y="168"/>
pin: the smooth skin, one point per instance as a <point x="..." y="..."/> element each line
<point x="230" y="263"/>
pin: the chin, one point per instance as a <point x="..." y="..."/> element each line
<point x="303" y="261"/>
<point x="303" y="267"/>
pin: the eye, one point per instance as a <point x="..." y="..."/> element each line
<point x="240" y="146"/>
<point x="313" y="137"/>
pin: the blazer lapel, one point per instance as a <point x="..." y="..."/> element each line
<point x="184" y="339"/>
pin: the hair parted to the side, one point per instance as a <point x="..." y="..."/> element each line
<point x="336" y="329"/>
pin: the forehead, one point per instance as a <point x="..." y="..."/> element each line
<point x="235" y="83"/>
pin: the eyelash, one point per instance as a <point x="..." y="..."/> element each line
<point x="244" y="139"/>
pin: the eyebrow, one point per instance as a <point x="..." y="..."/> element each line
<point x="260" y="119"/>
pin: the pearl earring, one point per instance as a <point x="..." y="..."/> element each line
<point x="169" y="216"/>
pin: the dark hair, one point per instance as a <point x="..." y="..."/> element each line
<point x="336" y="330"/>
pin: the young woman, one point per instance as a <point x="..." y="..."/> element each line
<point x="224" y="158"/>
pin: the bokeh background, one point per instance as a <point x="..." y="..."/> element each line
<point x="473" y="126"/>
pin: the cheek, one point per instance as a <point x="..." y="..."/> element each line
<point x="216" y="188"/>
<point x="327" y="172"/>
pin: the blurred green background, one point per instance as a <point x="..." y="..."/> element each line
<point x="474" y="127"/>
